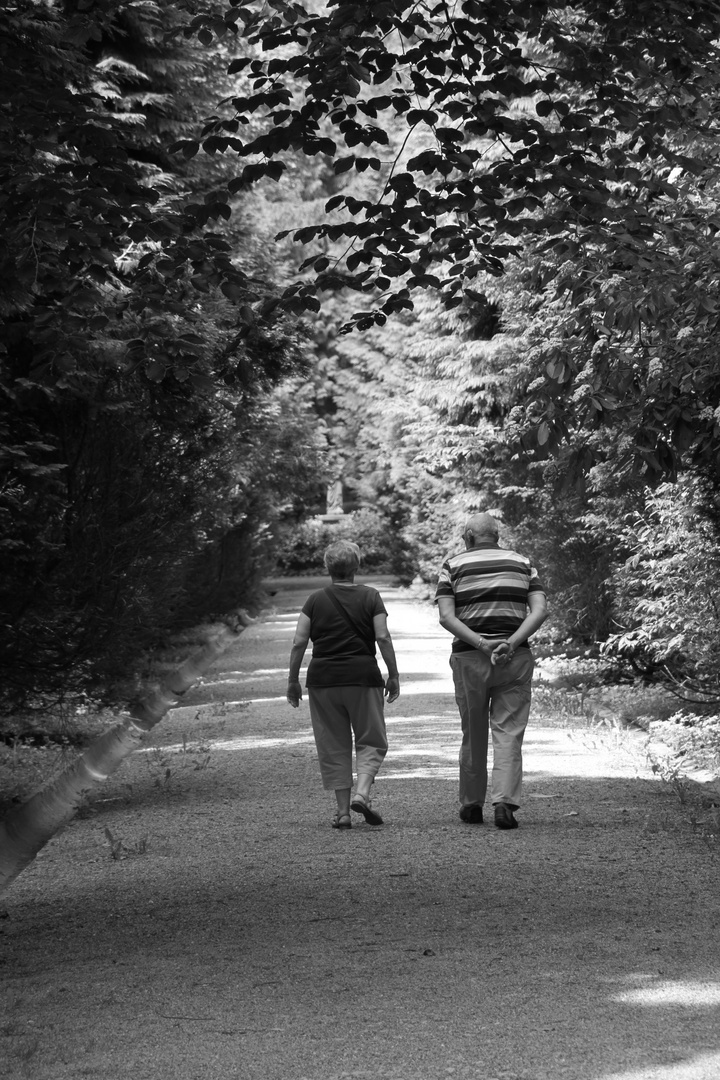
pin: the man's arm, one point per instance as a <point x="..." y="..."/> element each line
<point x="450" y="622"/>
<point x="534" y="619"/>
<point x="382" y="636"/>
<point x="536" y="616"/>
<point x="299" y="645"/>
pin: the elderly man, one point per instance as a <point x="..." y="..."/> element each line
<point x="491" y="600"/>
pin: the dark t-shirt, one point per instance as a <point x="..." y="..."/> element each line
<point x="340" y="657"/>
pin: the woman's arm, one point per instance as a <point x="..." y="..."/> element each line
<point x="299" y="645"/>
<point x="382" y="636"/>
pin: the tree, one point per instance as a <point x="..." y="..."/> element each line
<point x="563" y="132"/>
<point x="130" y="365"/>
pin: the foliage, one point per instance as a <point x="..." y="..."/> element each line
<point x="302" y="546"/>
<point x="572" y="535"/>
<point x="530" y="191"/>
<point x="620" y="353"/>
<point x="133" y="377"/>
<point x="417" y="421"/>
<point x="277" y="458"/>
<point x="583" y="134"/>
<point x="586" y="77"/>
<point x="571" y="149"/>
<point x="406" y="410"/>
<point x="684" y="751"/>
<point x="694" y="741"/>
<point x="667" y="590"/>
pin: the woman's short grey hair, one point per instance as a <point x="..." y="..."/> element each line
<point x="342" y="558"/>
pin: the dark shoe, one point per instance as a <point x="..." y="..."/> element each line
<point x="471" y="814"/>
<point x="504" y="818"/>
<point x="363" y="806"/>
<point x="341" y="821"/>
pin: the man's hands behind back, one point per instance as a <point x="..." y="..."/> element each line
<point x="502" y="654"/>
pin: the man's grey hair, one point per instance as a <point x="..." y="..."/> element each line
<point x="342" y="558"/>
<point x="482" y="526"/>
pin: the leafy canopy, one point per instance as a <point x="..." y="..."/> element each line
<point x="520" y="119"/>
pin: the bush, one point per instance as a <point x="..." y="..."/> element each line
<point x="149" y="527"/>
<point x="666" y="590"/>
<point x="301" y="547"/>
<point x="695" y="739"/>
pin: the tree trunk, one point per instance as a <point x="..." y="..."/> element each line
<point x="28" y="828"/>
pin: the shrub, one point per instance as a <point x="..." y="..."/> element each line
<point x="301" y="547"/>
<point x="693" y="741"/>
<point x="666" y="590"/>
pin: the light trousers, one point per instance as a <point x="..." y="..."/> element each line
<point x="497" y="699"/>
<point x="340" y="714"/>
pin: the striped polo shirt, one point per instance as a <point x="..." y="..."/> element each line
<point x="490" y="587"/>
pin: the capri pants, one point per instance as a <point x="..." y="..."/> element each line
<point x="339" y="714"/>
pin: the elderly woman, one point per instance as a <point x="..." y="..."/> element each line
<point x="344" y="683"/>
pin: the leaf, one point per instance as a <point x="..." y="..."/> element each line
<point x="324" y="146"/>
<point x="343" y="164"/>
<point x="188" y="147"/>
<point x="238" y="65"/>
<point x="155" y="371"/>
<point x="275" y="169"/>
<point x="232" y="291"/>
<point x="424" y="116"/>
<point x="302" y="236"/>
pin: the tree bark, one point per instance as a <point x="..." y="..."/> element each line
<point x="28" y="828"/>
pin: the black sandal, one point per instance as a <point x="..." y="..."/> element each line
<point x="363" y="806"/>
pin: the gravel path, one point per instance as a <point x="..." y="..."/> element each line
<point x="202" y="921"/>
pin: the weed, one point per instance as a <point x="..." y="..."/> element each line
<point x="166" y="777"/>
<point x="190" y="760"/>
<point x="188" y="749"/>
<point x="701" y="802"/>
<point x="557" y="706"/>
<point x="119" y="850"/>
<point x="159" y="764"/>
<point x="116" y="846"/>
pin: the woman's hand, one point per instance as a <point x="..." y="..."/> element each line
<point x="294" y="693"/>
<point x="392" y="688"/>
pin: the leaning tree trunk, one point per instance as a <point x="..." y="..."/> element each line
<point x="28" y="828"/>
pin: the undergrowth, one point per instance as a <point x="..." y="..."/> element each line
<point x="37" y="744"/>
<point x="682" y="748"/>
